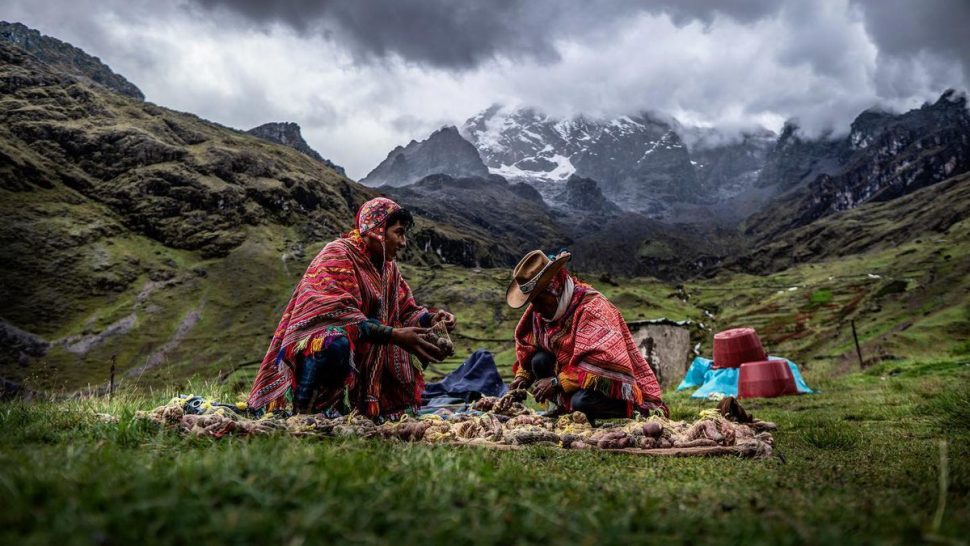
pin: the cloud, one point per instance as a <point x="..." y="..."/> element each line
<point x="928" y="41"/>
<point x="463" y="35"/>
<point x="439" y="33"/>
<point x="362" y="77"/>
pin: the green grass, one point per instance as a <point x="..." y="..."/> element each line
<point x="860" y="466"/>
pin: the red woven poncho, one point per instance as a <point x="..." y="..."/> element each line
<point x="340" y="289"/>
<point x="593" y="349"/>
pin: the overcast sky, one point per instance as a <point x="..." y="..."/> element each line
<point x="363" y="76"/>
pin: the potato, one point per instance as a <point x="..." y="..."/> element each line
<point x="652" y="429"/>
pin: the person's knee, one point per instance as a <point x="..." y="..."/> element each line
<point x="338" y="347"/>
<point x="598" y="405"/>
<point x="582" y="401"/>
<point x="542" y="364"/>
<point x="336" y="361"/>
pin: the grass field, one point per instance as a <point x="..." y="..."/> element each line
<point x="861" y="463"/>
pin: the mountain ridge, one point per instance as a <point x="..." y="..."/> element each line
<point x="68" y="58"/>
<point x="288" y="133"/>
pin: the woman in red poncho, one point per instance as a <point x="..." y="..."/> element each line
<point x="350" y="326"/>
<point x="573" y="347"/>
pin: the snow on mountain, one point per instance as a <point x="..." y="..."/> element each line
<point x="638" y="160"/>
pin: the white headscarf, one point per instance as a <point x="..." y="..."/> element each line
<point x="564" y="299"/>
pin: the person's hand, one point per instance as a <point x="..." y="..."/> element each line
<point x="519" y="382"/>
<point x="417" y="342"/>
<point x="444" y="316"/>
<point x="546" y="389"/>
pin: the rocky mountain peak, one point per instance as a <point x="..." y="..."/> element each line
<point x="951" y="98"/>
<point x="789" y="133"/>
<point x="448" y="131"/>
<point x="66" y="58"/>
<point x="584" y="194"/>
<point x="288" y="133"/>
<point x="445" y="151"/>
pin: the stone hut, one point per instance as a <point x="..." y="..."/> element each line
<point x="666" y="344"/>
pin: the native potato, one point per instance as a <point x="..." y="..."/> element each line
<point x="509" y="405"/>
<point x="439" y="336"/>
<point x="502" y="421"/>
<point x="611" y="439"/>
<point x="652" y="429"/>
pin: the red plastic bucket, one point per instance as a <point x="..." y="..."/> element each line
<point x="737" y="346"/>
<point x="766" y="379"/>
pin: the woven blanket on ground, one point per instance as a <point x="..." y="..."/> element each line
<point x="502" y="423"/>
<point x="593" y="349"/>
<point x="340" y="289"/>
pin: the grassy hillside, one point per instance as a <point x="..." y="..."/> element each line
<point x="908" y="301"/>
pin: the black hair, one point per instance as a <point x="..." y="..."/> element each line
<point x="400" y="216"/>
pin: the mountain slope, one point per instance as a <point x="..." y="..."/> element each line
<point x="511" y="217"/>
<point x="444" y="152"/>
<point x="67" y="58"/>
<point x="925" y="213"/>
<point x="885" y="156"/>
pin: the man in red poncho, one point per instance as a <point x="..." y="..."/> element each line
<point x="573" y="347"/>
<point x="350" y="325"/>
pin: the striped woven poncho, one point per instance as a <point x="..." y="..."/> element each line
<point x="593" y="349"/>
<point x="340" y="289"/>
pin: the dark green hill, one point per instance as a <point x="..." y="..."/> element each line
<point x="154" y="236"/>
<point x="67" y="58"/>
<point x="885" y="156"/>
<point x="923" y="215"/>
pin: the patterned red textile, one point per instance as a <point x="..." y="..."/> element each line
<point x="593" y="349"/>
<point x="340" y="289"/>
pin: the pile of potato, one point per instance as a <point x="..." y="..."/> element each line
<point x="496" y="421"/>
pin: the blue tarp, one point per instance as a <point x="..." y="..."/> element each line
<point x="476" y="376"/>
<point x="724" y="381"/>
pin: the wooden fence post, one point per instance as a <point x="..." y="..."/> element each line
<point x="111" y="380"/>
<point x="858" y="350"/>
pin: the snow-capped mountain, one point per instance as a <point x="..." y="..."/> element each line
<point x="664" y="170"/>
<point x="640" y="161"/>
<point x="633" y="158"/>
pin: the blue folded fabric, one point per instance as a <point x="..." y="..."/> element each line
<point x="724" y="381"/>
<point x="476" y="376"/>
<point x="696" y="373"/>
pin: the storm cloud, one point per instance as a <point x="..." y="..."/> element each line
<point x="362" y="77"/>
<point x="463" y="35"/>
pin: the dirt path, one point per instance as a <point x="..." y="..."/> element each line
<point x="160" y="355"/>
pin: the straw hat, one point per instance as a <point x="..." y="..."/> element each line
<point x="531" y="276"/>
